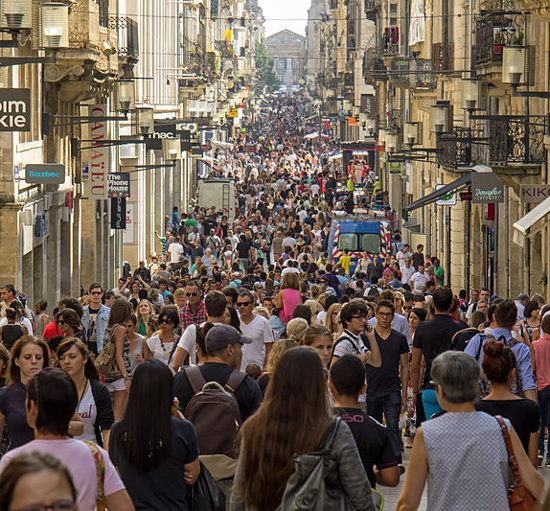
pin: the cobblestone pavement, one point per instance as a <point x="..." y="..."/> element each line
<point x="391" y="495"/>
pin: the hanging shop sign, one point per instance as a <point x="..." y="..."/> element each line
<point x="446" y="200"/>
<point x="15" y="110"/>
<point x="118" y="213"/>
<point x="119" y="184"/>
<point x="99" y="154"/>
<point x="486" y="188"/>
<point x="45" y="173"/>
<point x="534" y="193"/>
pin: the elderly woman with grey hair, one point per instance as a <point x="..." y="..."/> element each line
<point x="462" y="453"/>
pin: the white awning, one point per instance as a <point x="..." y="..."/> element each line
<point x="537" y="213"/>
<point x="315" y="134"/>
<point x="224" y="146"/>
<point x="336" y="156"/>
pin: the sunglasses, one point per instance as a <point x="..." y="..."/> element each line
<point x="192" y="294"/>
<point x="243" y="304"/>
<point x="96" y="293"/>
<point x="61" y="322"/>
<point x="165" y="320"/>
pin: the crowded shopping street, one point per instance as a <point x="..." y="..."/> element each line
<point x="248" y="268"/>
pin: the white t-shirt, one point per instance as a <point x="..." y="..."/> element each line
<point x="78" y="458"/>
<point x="175" y="250"/>
<point x="314" y="188"/>
<point x="87" y="410"/>
<point x="419" y="281"/>
<point x="260" y="332"/>
<point x="188" y="341"/>
<point x="407" y="273"/>
<point x="163" y="354"/>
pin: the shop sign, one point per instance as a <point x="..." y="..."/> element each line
<point x="119" y="184"/>
<point x="15" y="110"/>
<point x="534" y="193"/>
<point x="395" y="167"/>
<point x="128" y="233"/>
<point x="99" y="155"/>
<point x="45" y="173"/>
<point x="486" y="188"/>
<point x="465" y="196"/>
<point x="448" y="199"/>
<point x="118" y="213"/>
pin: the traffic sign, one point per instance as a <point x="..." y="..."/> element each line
<point x="233" y="113"/>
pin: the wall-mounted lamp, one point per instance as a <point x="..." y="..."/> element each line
<point x="441" y="118"/>
<point x="171" y="149"/>
<point x="471" y="93"/>
<point x="146" y="122"/>
<point x="126" y="95"/>
<point x="391" y="142"/>
<point x="55" y="25"/>
<point x="412" y="133"/>
<point x="514" y="65"/>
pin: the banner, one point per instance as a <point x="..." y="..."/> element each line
<point x="99" y="155"/>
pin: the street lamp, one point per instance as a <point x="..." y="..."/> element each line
<point x="441" y="116"/>
<point x="412" y="133"/>
<point x="146" y="122"/>
<point x="382" y="134"/>
<point x="171" y="149"/>
<point x="514" y="65"/>
<point x="55" y="25"/>
<point x="471" y="93"/>
<point x="391" y="142"/>
<point x="126" y="95"/>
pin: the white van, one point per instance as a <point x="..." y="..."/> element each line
<point x="220" y="193"/>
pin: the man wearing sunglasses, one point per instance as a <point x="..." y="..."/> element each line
<point x="95" y="319"/>
<point x="255" y="327"/>
<point x="194" y="312"/>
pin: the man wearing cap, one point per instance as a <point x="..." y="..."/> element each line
<point x="223" y="346"/>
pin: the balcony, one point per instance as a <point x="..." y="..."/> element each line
<point x="374" y="69"/>
<point x="407" y="73"/>
<point x="442" y="56"/>
<point x="463" y="147"/>
<point x="390" y="41"/>
<point x="494" y="31"/>
<point x="128" y="36"/>
<point x="225" y="48"/>
<point x="516" y="140"/>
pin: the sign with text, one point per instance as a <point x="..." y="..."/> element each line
<point x="15" y="110"/>
<point x="486" y="188"/>
<point x="119" y="184"/>
<point x="128" y="233"/>
<point x="99" y="154"/>
<point x="45" y="173"/>
<point x="395" y="167"/>
<point x="446" y="200"/>
<point x="118" y="213"/>
<point x="534" y="193"/>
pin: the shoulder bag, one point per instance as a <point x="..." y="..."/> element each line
<point x="105" y="361"/>
<point x="100" y="471"/>
<point x="519" y="497"/>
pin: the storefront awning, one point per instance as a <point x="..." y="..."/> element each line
<point x="537" y="213"/>
<point x="335" y="156"/>
<point x="461" y="182"/>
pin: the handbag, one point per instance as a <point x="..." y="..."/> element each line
<point x="315" y="484"/>
<point x="100" y="470"/>
<point x="205" y="494"/>
<point x="519" y="497"/>
<point x="105" y="361"/>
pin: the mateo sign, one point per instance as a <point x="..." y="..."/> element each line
<point x="486" y="188"/>
<point x="15" y="106"/>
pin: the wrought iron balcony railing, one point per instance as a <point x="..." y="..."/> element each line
<point x="461" y="148"/>
<point x="443" y="56"/>
<point x="494" y="31"/>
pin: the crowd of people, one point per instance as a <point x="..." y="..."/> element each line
<point x="241" y="367"/>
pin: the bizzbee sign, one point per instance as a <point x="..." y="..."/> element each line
<point x="15" y="106"/>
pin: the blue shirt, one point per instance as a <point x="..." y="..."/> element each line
<point x="521" y="351"/>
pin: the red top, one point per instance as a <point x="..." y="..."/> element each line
<point x="542" y="358"/>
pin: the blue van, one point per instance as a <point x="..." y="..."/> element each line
<point x="359" y="233"/>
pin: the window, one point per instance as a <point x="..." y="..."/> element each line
<point x="370" y="243"/>
<point x="347" y="240"/>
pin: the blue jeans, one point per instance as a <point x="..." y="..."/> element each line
<point x="544" y="402"/>
<point x="431" y="405"/>
<point x="389" y="405"/>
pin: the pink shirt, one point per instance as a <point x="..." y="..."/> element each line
<point x="78" y="458"/>
<point x="542" y="358"/>
<point x="291" y="298"/>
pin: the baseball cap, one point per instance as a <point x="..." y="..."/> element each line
<point x="220" y="336"/>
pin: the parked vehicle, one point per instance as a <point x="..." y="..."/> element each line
<point x="220" y="193"/>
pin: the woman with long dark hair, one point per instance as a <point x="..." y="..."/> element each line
<point x="155" y="452"/>
<point x="94" y="407"/>
<point x="285" y="425"/>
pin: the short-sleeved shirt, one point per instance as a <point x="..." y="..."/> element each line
<point x="188" y="341"/>
<point x="372" y="441"/>
<point x="248" y="394"/>
<point x="386" y="377"/>
<point x="189" y="317"/>
<point x="164" y="486"/>
<point x="176" y="251"/>
<point x="12" y="406"/>
<point x="434" y="337"/>
<point x="524" y="415"/>
<point x="78" y="458"/>
<point x="260" y="332"/>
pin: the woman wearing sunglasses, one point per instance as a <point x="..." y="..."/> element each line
<point x="162" y="345"/>
<point x="69" y="323"/>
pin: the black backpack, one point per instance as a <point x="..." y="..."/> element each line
<point x="461" y="338"/>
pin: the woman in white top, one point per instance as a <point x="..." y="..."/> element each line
<point x="20" y="319"/>
<point x="136" y="342"/>
<point x="163" y="344"/>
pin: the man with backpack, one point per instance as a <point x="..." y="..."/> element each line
<point x="505" y="317"/>
<point x="217" y="398"/>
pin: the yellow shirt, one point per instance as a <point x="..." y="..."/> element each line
<point x="345" y="261"/>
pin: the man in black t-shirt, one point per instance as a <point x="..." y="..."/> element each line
<point x="430" y="339"/>
<point x="387" y="384"/>
<point x="347" y="382"/>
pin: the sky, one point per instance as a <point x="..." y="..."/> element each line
<point x="281" y="14"/>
